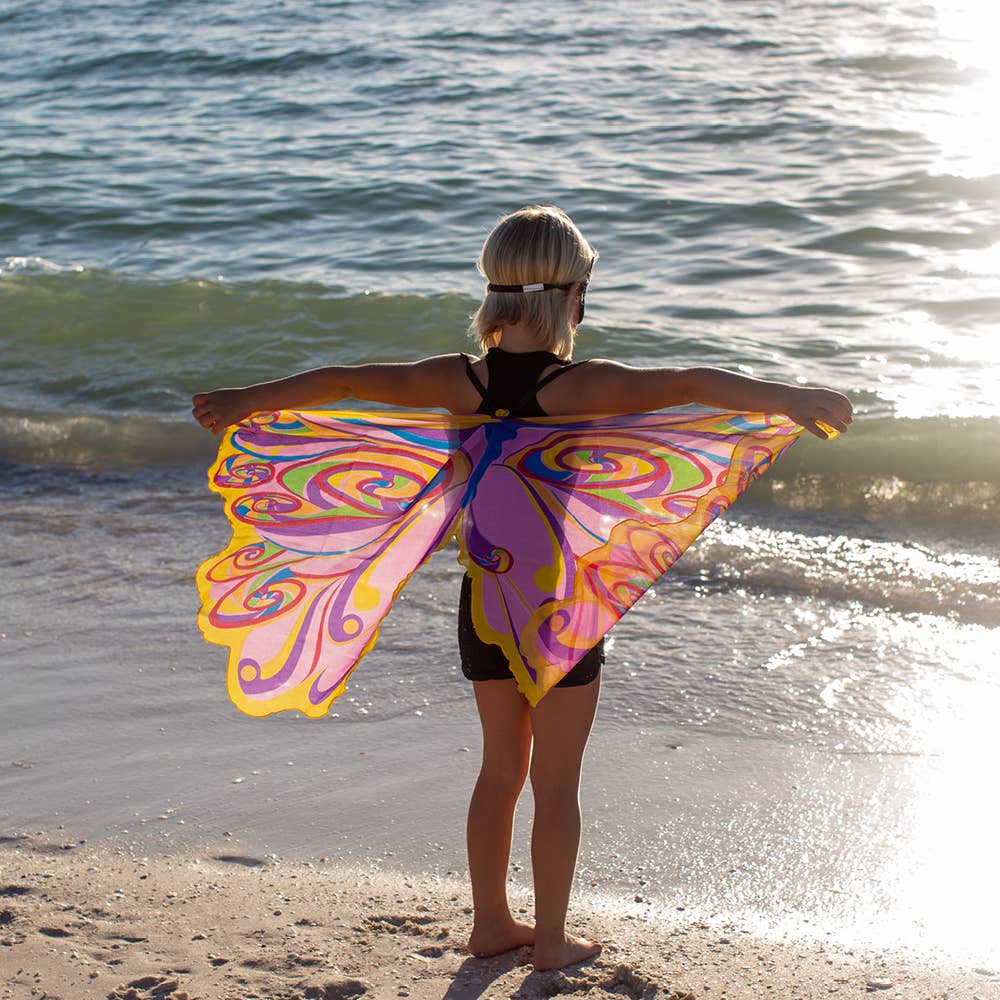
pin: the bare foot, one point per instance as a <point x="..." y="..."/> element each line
<point x="569" y="951"/>
<point x="494" y="939"/>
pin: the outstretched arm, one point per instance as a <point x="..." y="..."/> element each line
<point x="627" y="389"/>
<point x="417" y="383"/>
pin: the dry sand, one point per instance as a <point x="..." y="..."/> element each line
<point x="80" y="922"/>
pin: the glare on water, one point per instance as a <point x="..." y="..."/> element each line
<point x="964" y="125"/>
<point x="946" y="870"/>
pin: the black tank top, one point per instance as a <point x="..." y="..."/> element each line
<point x="514" y="381"/>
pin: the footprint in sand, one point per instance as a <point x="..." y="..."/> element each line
<point x="54" y="932"/>
<point x="240" y="859"/>
<point x="148" y="988"/>
<point x="620" y="981"/>
<point x="393" y="923"/>
<point x="10" y="891"/>
<point x="432" y="951"/>
<point x="344" y="990"/>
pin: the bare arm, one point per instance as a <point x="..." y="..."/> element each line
<point x="424" y="383"/>
<point x="624" y="389"/>
<point x="610" y="387"/>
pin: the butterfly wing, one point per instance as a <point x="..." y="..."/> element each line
<point x="331" y="514"/>
<point x="566" y="523"/>
<point x="571" y="521"/>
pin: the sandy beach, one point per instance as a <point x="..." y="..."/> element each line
<point x="227" y="858"/>
<point x="79" y="921"/>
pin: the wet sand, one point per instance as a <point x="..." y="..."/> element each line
<point x="114" y="727"/>
<point x="80" y="921"/>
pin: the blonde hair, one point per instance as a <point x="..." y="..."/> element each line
<point x="534" y="245"/>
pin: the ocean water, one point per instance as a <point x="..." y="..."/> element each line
<point x="201" y="194"/>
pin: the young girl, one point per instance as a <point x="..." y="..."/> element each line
<point x="537" y="265"/>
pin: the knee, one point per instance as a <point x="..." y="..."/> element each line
<point x="557" y="790"/>
<point x="502" y="781"/>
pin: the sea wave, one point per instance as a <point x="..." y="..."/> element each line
<point x="99" y="367"/>
<point x="99" y="343"/>
<point x="73" y="335"/>
<point x="936" y="468"/>
<point x="929" y="471"/>
<point x="910" y="577"/>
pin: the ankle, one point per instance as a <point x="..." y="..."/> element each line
<point x="549" y="937"/>
<point x="492" y="917"/>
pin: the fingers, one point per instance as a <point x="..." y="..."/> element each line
<point x="201" y="403"/>
<point x="206" y="413"/>
<point x="203" y="414"/>
<point x="834" y="422"/>
<point x="832" y="413"/>
<point x="816" y="428"/>
<point x="826" y="425"/>
<point x="839" y="408"/>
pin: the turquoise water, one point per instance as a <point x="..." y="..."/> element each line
<point x="199" y="194"/>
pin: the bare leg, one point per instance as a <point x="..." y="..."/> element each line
<point x="561" y="726"/>
<point x="506" y="722"/>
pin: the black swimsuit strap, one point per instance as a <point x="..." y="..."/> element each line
<point x="532" y="393"/>
<point x="556" y="372"/>
<point x="473" y="377"/>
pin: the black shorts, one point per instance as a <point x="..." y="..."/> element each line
<point x="482" y="661"/>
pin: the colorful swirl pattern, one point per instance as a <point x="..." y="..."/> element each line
<point x="562" y="523"/>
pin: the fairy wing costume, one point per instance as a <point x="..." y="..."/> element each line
<point x="562" y="523"/>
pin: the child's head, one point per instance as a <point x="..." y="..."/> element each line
<point x="539" y="244"/>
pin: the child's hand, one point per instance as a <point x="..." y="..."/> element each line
<point x="217" y="409"/>
<point x="822" y="412"/>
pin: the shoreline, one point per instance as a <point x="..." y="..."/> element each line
<point x="81" y="921"/>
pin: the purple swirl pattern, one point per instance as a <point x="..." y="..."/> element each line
<point x="598" y="510"/>
<point x="562" y="524"/>
<point x="330" y="513"/>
